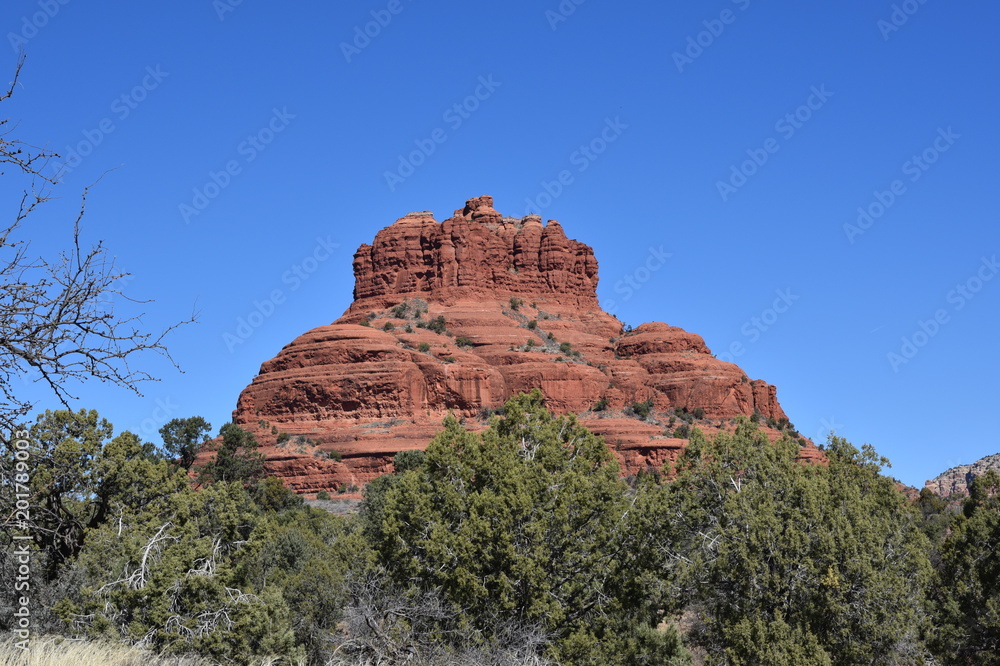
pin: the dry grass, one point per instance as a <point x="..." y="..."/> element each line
<point x="60" y="652"/>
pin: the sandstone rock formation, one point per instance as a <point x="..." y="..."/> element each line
<point x="957" y="479"/>
<point x="458" y="316"/>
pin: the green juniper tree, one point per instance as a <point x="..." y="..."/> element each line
<point x="183" y="439"/>
<point x="803" y="564"/>
<point x="967" y="587"/>
<point x="236" y="458"/>
<point x="528" y="520"/>
<point x="170" y="578"/>
<point x="82" y="477"/>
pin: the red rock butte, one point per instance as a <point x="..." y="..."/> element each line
<point x="458" y="316"/>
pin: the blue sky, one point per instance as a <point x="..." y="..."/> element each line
<point x="247" y="149"/>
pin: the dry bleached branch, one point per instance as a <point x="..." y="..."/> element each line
<point x="57" y="318"/>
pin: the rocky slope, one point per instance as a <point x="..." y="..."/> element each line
<point x="458" y="316"/>
<point x="957" y="479"/>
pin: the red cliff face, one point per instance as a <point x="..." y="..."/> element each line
<point x="475" y="252"/>
<point x="458" y="316"/>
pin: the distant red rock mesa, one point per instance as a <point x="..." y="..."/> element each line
<point x="458" y="316"/>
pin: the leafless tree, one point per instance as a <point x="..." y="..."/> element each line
<point x="57" y="318"/>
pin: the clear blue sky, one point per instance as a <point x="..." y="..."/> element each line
<point x="166" y="94"/>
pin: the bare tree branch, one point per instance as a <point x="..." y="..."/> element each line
<point x="57" y="317"/>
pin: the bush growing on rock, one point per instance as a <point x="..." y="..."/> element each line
<point x="642" y="409"/>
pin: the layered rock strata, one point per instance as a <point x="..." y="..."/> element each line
<point x="458" y="316"/>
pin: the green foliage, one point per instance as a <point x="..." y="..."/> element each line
<point x="526" y="520"/>
<point x="407" y="460"/>
<point x="322" y="495"/>
<point x="424" y="347"/>
<point x="565" y="348"/>
<point x="533" y="324"/>
<point x="515" y="303"/>
<point x="438" y="325"/>
<point x="449" y="359"/>
<point x="790" y="560"/>
<point x="935" y="514"/>
<point x="271" y="494"/>
<point x="399" y="311"/>
<point x="183" y="439"/>
<point x="508" y="544"/>
<point x="530" y="343"/>
<point x="332" y="454"/>
<point x="642" y="409"/>
<point x="283" y="437"/>
<point x="211" y="571"/>
<point x="463" y="341"/>
<point x="967" y="586"/>
<point x="486" y="413"/>
<point x="236" y="458"/>
<point x="698" y="413"/>
<point x="132" y="553"/>
<point x="773" y="642"/>
<point x="388" y="326"/>
<point x="683" y="414"/>
<point x="80" y="477"/>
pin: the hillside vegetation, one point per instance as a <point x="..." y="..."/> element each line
<point x="517" y="545"/>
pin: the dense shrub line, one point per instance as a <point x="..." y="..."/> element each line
<point x="519" y="544"/>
